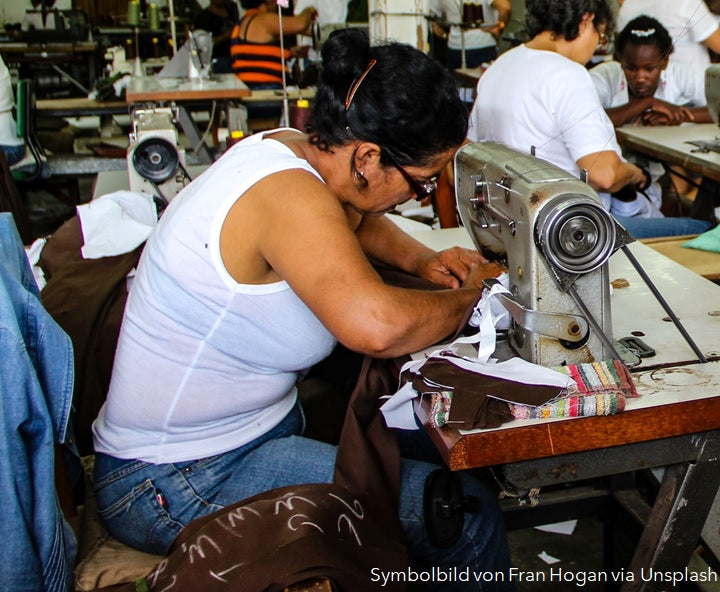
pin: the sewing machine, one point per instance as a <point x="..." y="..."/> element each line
<point x="712" y="98"/>
<point x="552" y="232"/>
<point x="156" y="163"/>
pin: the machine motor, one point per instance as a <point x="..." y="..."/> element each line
<point x="156" y="164"/>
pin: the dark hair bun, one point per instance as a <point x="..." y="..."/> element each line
<point x="344" y="56"/>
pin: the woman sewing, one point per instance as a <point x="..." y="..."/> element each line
<point x="255" y="42"/>
<point x="254" y="273"/>
<point x="539" y="95"/>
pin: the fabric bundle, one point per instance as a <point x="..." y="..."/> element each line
<point x="597" y="388"/>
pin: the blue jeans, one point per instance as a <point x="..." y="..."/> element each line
<point x="146" y="505"/>
<point x="36" y="388"/>
<point x="652" y="227"/>
<point x="13" y="154"/>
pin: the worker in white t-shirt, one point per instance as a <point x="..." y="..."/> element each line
<point x="479" y="43"/>
<point x="693" y="28"/>
<point x="644" y="87"/>
<point x="12" y="145"/>
<point x="540" y="95"/>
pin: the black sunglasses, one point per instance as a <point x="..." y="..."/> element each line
<point x="421" y="189"/>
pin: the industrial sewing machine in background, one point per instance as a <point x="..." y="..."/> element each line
<point x="156" y="162"/>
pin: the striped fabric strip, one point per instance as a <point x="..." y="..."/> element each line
<point x="600" y="389"/>
<point x="572" y="406"/>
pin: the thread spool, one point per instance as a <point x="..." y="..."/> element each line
<point x="300" y="114"/>
<point x="468" y="13"/>
<point x="133" y="12"/>
<point x="153" y="17"/>
<point x="130" y="49"/>
<point x="234" y="137"/>
<point x="156" y="51"/>
<point x="478" y="13"/>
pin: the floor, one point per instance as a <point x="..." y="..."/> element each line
<point x="579" y="552"/>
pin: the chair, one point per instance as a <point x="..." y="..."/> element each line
<point x="24" y="171"/>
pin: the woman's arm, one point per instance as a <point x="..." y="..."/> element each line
<point x="652" y="111"/>
<point x="607" y="172"/>
<point x="383" y="241"/>
<point x="303" y="236"/>
<point x="291" y="25"/>
<point x="504" y="8"/>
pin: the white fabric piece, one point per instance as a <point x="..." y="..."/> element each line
<point x="330" y="12"/>
<point x="116" y="223"/>
<point x="489" y="315"/>
<point x="398" y="409"/>
<point x="33" y="255"/>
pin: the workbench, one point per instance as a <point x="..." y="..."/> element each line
<point x="181" y="93"/>
<point x="675" y="423"/>
<point x="56" y="56"/>
<point x="670" y="144"/>
<point x="79" y="107"/>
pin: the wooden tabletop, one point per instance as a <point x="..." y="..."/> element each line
<point x="670" y="144"/>
<point x="673" y="402"/>
<point x="12" y="47"/>
<point x="161" y="88"/>
<point x="73" y="107"/>
<point x="704" y="263"/>
<point x="678" y="394"/>
<point x="269" y="95"/>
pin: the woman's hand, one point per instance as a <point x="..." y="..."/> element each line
<point x="451" y="267"/>
<point x="481" y="272"/>
<point x="664" y="113"/>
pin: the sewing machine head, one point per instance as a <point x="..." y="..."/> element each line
<point x="156" y="162"/>
<point x="712" y="91"/>
<point x="555" y="237"/>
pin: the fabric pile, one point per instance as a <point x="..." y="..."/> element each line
<point x="477" y="401"/>
<point x="599" y="388"/>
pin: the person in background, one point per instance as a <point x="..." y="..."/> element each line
<point x="265" y="259"/>
<point x="219" y="19"/>
<point x="332" y="14"/>
<point x="692" y="27"/>
<point x="539" y="94"/>
<point x="12" y="146"/>
<point x="255" y="42"/>
<point x="480" y="42"/>
<point x="33" y="19"/>
<point x="644" y="87"/>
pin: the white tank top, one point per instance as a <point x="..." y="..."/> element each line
<point x="204" y="364"/>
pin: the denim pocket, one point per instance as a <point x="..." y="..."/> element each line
<point x="140" y="518"/>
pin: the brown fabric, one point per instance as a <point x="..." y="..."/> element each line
<point x="86" y="297"/>
<point x="11" y="201"/>
<point x="287" y="535"/>
<point x="476" y="397"/>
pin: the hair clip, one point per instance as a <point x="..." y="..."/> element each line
<point x="641" y="33"/>
<point x="356" y="84"/>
